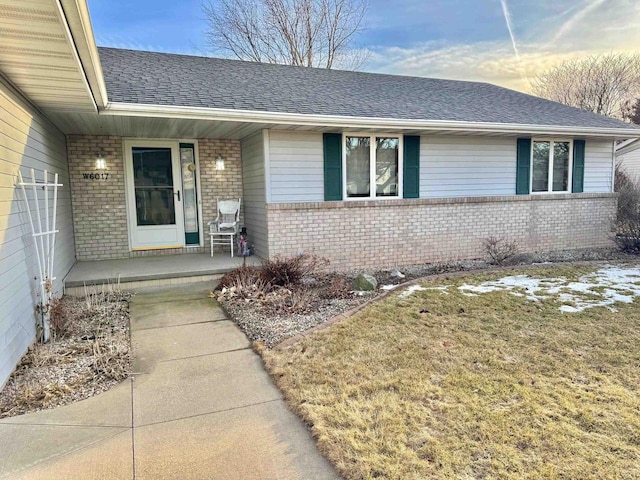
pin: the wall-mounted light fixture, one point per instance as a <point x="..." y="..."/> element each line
<point x="101" y="162"/>
<point x="219" y="163"/>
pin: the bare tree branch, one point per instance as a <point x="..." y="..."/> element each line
<point x="310" y="33"/>
<point x="603" y="84"/>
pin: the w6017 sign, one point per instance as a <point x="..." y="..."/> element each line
<point x="95" y="176"/>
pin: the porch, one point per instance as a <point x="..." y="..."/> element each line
<point x="150" y="271"/>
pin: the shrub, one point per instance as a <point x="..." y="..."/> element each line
<point x="294" y="301"/>
<point x="58" y="318"/>
<point x="628" y="216"/>
<point x="244" y="282"/>
<point x="499" y="250"/>
<point x="622" y="178"/>
<point x="338" y="288"/>
<point x="289" y="271"/>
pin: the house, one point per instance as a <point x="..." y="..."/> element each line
<point x="368" y="170"/>
<point x="628" y="157"/>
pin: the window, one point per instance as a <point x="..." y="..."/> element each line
<point x="373" y="166"/>
<point x="551" y="166"/>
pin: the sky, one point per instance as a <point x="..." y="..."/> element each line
<point x="506" y="42"/>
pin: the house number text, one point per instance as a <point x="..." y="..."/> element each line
<point x="95" y="176"/>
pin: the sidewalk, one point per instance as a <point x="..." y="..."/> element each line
<point x="199" y="406"/>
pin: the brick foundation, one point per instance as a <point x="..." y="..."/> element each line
<point x="382" y="234"/>
<point x="99" y="206"/>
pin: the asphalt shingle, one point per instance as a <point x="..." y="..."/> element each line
<point x="154" y="78"/>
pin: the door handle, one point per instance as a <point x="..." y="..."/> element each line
<point x="178" y="194"/>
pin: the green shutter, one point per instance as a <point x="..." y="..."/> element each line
<point x="332" y="146"/>
<point x="578" y="166"/>
<point x="411" y="172"/>
<point x="523" y="166"/>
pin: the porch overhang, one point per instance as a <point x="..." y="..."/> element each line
<point x="50" y="55"/>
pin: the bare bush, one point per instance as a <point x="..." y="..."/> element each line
<point x="294" y="301"/>
<point x="243" y="282"/>
<point x="628" y="216"/>
<point x="58" y="318"/>
<point x="499" y="250"/>
<point x="288" y="271"/>
<point x="338" y="288"/>
<point x="622" y="178"/>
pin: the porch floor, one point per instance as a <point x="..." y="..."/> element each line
<point x="152" y="268"/>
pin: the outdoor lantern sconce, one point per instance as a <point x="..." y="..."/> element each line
<point x="101" y="162"/>
<point x="219" y="163"/>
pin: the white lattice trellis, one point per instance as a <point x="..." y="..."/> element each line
<point x="43" y="231"/>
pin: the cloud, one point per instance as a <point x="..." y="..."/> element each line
<point x="570" y="33"/>
<point x="586" y="9"/>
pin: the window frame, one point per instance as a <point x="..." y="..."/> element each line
<point x="552" y="142"/>
<point x="372" y="165"/>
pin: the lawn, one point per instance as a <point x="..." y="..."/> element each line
<point x="516" y="377"/>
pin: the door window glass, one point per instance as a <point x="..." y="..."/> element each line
<point x="153" y="185"/>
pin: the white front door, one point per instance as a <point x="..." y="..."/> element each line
<point x="154" y="194"/>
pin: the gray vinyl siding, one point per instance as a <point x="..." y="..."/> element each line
<point x="254" y="192"/>
<point x="598" y="166"/>
<point x="630" y="161"/>
<point x="450" y="166"/>
<point x="456" y="166"/>
<point x="27" y="140"/>
<point x="296" y="166"/>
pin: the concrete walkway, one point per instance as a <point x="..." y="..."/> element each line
<point x="199" y="406"/>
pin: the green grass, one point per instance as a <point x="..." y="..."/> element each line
<point x="493" y="386"/>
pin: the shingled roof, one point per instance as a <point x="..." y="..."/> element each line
<point x="165" y="79"/>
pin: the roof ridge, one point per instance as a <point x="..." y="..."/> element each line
<point x="300" y="67"/>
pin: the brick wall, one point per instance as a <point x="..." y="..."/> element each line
<point x="99" y="206"/>
<point x="382" y="234"/>
<point x="223" y="184"/>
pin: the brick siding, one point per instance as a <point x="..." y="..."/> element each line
<point x="99" y="206"/>
<point x="382" y="234"/>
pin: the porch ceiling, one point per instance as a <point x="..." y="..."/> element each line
<point x="152" y="127"/>
<point x="38" y="55"/>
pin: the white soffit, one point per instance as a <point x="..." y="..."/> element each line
<point x="38" y="56"/>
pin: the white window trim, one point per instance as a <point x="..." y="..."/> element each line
<point x="551" y="142"/>
<point x="372" y="165"/>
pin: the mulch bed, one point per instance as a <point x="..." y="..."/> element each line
<point x="270" y="324"/>
<point x="89" y="353"/>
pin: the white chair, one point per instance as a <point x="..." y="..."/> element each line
<point x="225" y="227"/>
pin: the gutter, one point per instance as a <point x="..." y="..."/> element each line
<point x="628" y="146"/>
<point x="341" y="121"/>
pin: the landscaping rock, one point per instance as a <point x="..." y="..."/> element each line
<point x="397" y="274"/>
<point x="365" y="283"/>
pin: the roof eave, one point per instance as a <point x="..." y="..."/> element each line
<point x="336" y="121"/>
<point x="75" y="15"/>
<point x="628" y="146"/>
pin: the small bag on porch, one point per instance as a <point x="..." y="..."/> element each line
<point x="225" y="227"/>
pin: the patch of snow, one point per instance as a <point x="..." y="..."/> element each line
<point x="603" y="288"/>
<point x="533" y="287"/>
<point x="410" y="290"/>
<point x="388" y="287"/>
<point x="419" y="288"/>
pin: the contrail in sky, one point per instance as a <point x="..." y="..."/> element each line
<point x="507" y="18"/>
<point x="585" y="9"/>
